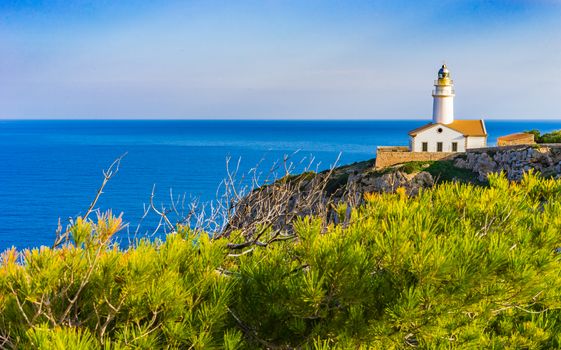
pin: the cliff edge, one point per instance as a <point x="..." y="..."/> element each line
<point x="472" y="166"/>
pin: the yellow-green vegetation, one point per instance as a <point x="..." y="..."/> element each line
<point x="458" y="266"/>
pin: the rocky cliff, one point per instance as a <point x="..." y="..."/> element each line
<point x="472" y="166"/>
<point x="513" y="161"/>
<point x="279" y="203"/>
<point x="411" y="176"/>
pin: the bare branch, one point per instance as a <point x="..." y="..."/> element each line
<point x="108" y="174"/>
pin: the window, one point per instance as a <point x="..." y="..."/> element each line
<point x="454" y="147"/>
<point x="439" y="146"/>
<point x="439" y="130"/>
<point x="425" y="146"/>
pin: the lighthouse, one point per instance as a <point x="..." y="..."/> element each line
<point x="442" y="137"/>
<point x="443" y="98"/>
<point x="444" y="134"/>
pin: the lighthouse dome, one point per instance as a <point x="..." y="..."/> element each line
<point x="443" y="72"/>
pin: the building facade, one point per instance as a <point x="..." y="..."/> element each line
<point x="457" y="136"/>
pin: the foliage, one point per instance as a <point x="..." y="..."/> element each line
<point x="441" y="170"/>
<point x="336" y="182"/>
<point x="551" y="137"/>
<point x="415" y="166"/>
<point x="358" y="166"/>
<point x="305" y="176"/>
<point x="457" y="266"/>
<point x="444" y="170"/>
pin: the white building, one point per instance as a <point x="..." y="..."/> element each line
<point x="445" y="134"/>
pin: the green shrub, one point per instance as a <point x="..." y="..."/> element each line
<point x="336" y="182"/>
<point x="458" y="266"/>
<point x="444" y="170"/>
<point x="415" y="167"/>
<point x="441" y="170"/>
<point x="551" y="137"/>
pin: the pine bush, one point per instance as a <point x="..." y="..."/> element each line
<point x="457" y="266"/>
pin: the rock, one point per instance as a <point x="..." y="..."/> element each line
<point x="461" y="163"/>
<point x="358" y="180"/>
<point x="424" y="179"/>
<point x="421" y="180"/>
<point x="513" y="162"/>
<point x="391" y="181"/>
<point x="485" y="165"/>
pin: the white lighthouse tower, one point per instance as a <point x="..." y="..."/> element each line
<point x="443" y="98"/>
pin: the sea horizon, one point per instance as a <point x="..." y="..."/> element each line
<point x="101" y="118"/>
<point x="52" y="168"/>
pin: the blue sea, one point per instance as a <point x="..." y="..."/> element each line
<point x="51" y="169"/>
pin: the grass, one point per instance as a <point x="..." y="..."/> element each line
<point x="415" y="167"/>
<point x="358" y="166"/>
<point x="445" y="170"/>
<point x="308" y="175"/>
<point x="442" y="170"/>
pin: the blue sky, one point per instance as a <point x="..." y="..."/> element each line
<point x="277" y="58"/>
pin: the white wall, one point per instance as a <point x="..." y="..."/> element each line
<point x="443" y="109"/>
<point x="432" y="136"/>
<point x="476" y="141"/>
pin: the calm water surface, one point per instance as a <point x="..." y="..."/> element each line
<point x="52" y="169"/>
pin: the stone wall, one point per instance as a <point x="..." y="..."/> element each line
<point x="387" y="156"/>
<point x="514" y="161"/>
